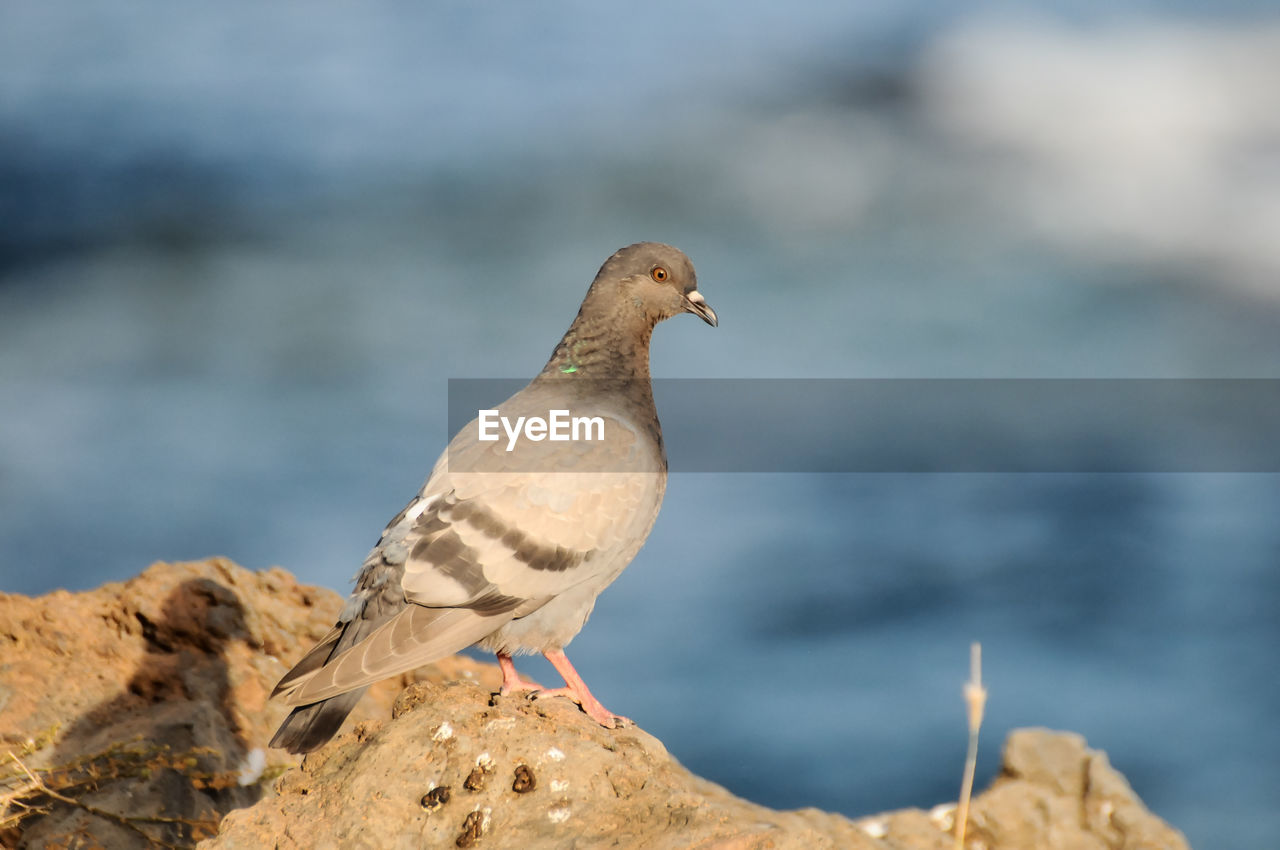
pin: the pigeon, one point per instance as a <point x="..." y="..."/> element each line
<point x="510" y="541"/>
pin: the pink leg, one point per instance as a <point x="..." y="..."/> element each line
<point x="511" y="681"/>
<point x="577" y="691"/>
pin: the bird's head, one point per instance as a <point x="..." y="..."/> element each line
<point x="655" y="279"/>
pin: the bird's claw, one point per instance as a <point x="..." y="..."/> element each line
<point x="590" y="706"/>
<point x="520" y="686"/>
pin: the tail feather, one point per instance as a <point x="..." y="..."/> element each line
<point x="414" y="637"/>
<point x="309" y="727"/>
<point x="330" y="679"/>
<point x="316" y="658"/>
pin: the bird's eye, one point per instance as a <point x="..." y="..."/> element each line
<point x="659" y="274"/>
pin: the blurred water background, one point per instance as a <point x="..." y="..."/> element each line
<point x="242" y="249"/>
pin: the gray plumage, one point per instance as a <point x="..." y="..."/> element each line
<point x="509" y="549"/>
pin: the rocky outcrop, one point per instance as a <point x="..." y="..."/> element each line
<point x="136" y="716"/>
<point x="1054" y="791"/>
<point x="455" y="766"/>
<point x="145" y="703"/>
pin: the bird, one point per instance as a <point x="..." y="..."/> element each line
<point x="506" y="548"/>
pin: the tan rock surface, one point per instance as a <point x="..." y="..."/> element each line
<point x="140" y="701"/>
<point x="581" y="785"/>
<point x="1056" y="792"/>
<point x="145" y="697"/>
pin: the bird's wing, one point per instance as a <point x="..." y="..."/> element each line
<point x="492" y="536"/>
<point x="414" y="637"/>
<point x="534" y="522"/>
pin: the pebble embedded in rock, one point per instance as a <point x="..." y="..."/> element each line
<point x="436" y="797"/>
<point x="475" y="780"/>
<point x="524" y="781"/>
<point x="472" y="830"/>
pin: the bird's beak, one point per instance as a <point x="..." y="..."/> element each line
<point x="697" y="305"/>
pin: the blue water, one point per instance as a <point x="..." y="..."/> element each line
<point x="242" y="254"/>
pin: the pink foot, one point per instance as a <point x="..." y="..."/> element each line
<point x="576" y="690"/>
<point x="511" y="681"/>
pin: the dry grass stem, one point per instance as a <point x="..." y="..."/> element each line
<point x="975" y="697"/>
<point x="28" y="793"/>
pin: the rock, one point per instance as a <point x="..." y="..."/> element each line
<point x="143" y="707"/>
<point x="1055" y="791"/>
<point x="518" y="772"/>
<point x="457" y="766"/>
<point x="142" y="700"/>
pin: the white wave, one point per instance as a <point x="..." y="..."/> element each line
<point x="1143" y="141"/>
